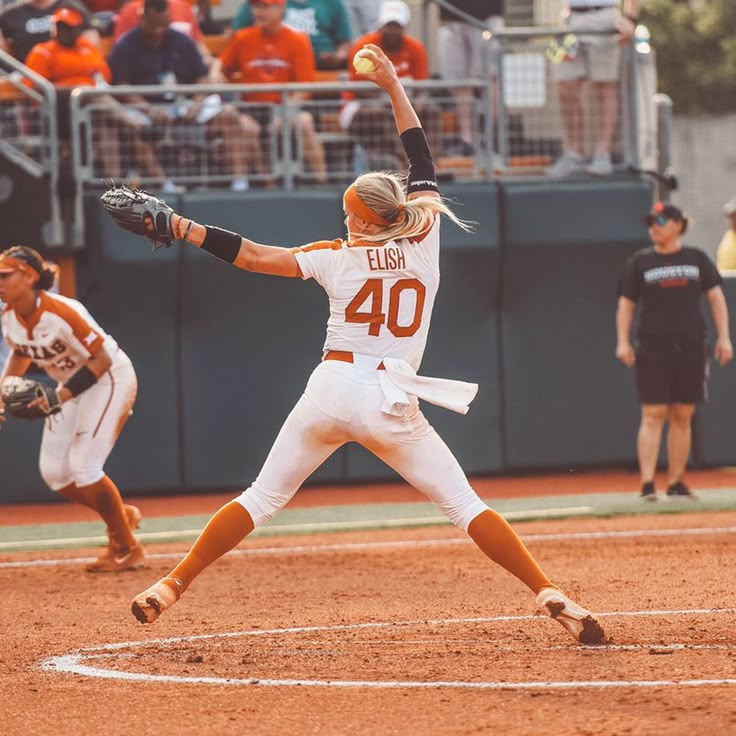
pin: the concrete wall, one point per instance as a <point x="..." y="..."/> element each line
<point x="704" y="158"/>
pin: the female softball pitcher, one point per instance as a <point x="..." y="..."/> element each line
<point x="381" y="284"/>
<point x="95" y="392"/>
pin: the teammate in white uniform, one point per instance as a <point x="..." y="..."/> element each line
<point x="96" y="385"/>
<point x="381" y="284"/>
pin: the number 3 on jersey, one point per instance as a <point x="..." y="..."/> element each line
<point x="373" y="290"/>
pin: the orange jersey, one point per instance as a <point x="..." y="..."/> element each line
<point x="66" y="67"/>
<point x="60" y="336"/>
<point x="410" y="60"/>
<point x="286" y="56"/>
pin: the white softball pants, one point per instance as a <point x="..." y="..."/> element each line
<point x="77" y="441"/>
<point x="342" y="403"/>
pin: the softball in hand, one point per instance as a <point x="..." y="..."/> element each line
<point x="362" y="62"/>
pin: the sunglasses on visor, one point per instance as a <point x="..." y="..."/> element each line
<point x="657" y="220"/>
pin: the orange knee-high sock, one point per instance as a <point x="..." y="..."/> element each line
<point x="88" y="498"/>
<point x="84" y="496"/>
<point x="72" y="493"/>
<point x="104" y="497"/>
<point x="495" y="537"/>
<point x="223" y="532"/>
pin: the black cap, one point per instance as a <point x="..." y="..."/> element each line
<point x="665" y="209"/>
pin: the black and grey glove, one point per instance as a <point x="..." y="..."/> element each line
<point x="141" y="213"/>
<point x="19" y="393"/>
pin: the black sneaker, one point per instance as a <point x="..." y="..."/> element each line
<point x="679" y="490"/>
<point x="647" y="492"/>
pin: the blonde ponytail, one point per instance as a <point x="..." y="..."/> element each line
<point x="384" y="193"/>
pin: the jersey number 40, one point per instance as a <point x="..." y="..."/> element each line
<point x="375" y="317"/>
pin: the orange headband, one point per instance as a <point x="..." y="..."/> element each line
<point x="357" y="205"/>
<point x="9" y="263"/>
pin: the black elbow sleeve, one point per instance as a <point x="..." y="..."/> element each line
<point x="421" y="167"/>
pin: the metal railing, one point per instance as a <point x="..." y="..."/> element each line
<point x="172" y="141"/>
<point x="29" y="134"/>
<point x="530" y="115"/>
<point x="208" y="136"/>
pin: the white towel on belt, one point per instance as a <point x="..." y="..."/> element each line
<point x="400" y="380"/>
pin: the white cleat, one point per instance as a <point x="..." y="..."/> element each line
<point x="151" y="603"/>
<point x="577" y="620"/>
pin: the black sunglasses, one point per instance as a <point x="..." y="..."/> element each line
<point x="657" y="219"/>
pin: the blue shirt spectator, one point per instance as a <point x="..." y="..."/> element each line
<point x="134" y="61"/>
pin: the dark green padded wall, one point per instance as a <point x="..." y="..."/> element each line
<point x="20" y="480"/>
<point x="714" y="433"/>
<point x="133" y="294"/>
<point x="526" y="308"/>
<point x="249" y="342"/>
<point x="568" y="402"/>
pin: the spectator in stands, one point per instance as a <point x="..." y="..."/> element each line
<point x="70" y="60"/>
<point x="326" y="22"/>
<point x="464" y="56"/>
<point x="363" y="15"/>
<point x="726" y="256"/>
<point x="156" y="54"/>
<point x="182" y="18"/>
<point x="272" y="53"/>
<point x="25" y="23"/>
<point x="372" y="123"/>
<point x="668" y="281"/>
<point x="594" y="57"/>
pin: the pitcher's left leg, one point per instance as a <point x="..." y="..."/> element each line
<point x="425" y="461"/>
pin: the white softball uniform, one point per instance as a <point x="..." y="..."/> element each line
<point x="60" y="337"/>
<point x="381" y="299"/>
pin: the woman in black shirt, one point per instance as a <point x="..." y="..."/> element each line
<point x="671" y="359"/>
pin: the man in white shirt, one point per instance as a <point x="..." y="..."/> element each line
<point x="596" y="58"/>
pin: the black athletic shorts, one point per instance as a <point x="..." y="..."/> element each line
<point x="671" y="372"/>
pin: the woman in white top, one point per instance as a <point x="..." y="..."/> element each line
<point x="96" y="389"/>
<point x="381" y="283"/>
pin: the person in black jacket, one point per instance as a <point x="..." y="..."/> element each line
<point x="671" y="359"/>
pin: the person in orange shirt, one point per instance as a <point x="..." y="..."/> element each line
<point x="70" y="60"/>
<point x="372" y="123"/>
<point x="272" y="53"/>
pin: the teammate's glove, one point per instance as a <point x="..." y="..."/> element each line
<point x="19" y="393"/>
<point x="140" y="213"/>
